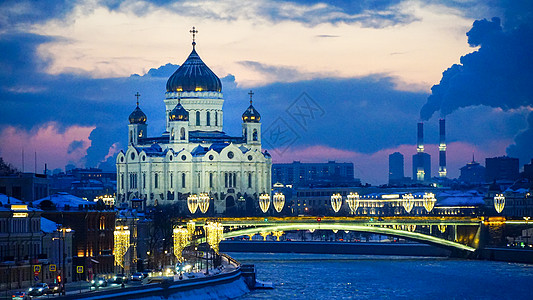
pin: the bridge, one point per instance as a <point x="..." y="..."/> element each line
<point x="459" y="234"/>
<point x="462" y="230"/>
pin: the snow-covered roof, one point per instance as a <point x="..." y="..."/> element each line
<point x="460" y="198"/>
<point x="4" y="200"/>
<point x="61" y="199"/>
<point x="47" y="225"/>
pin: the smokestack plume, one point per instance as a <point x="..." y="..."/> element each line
<point x="420" y="138"/>
<point x="442" y="148"/>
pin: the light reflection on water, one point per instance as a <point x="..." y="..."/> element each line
<point x="324" y="276"/>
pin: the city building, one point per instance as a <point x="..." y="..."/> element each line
<point x="25" y="186"/>
<point x="194" y="155"/>
<point x="396" y="170"/>
<point x="528" y="171"/>
<point x="472" y="173"/>
<point x="93" y="225"/>
<point x="89" y="183"/>
<point x="20" y="242"/>
<point x="305" y="174"/>
<point x="501" y="168"/>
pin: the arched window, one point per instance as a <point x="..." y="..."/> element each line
<point x="156" y="179"/>
<point x="244" y="134"/>
<point x="183" y="180"/>
<point x="197" y="118"/>
<point x="172" y="134"/>
<point x="131" y="136"/>
<point x="102" y="223"/>
<point x="255" y="135"/>
<point x="216" y="118"/>
<point x="208" y="119"/>
<point x="182" y="133"/>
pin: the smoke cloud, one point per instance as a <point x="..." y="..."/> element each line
<point x="498" y="75"/>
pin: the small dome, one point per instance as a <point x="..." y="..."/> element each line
<point x="251" y="115"/>
<point x="194" y="76"/>
<point x="137" y="116"/>
<point x="179" y="113"/>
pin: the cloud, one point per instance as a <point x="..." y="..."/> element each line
<point x="54" y="145"/>
<point x="498" y="74"/>
<point x="75" y="145"/>
<point x="116" y="39"/>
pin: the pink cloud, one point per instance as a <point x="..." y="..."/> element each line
<point x="53" y="146"/>
<point x="373" y="167"/>
<point x="114" y="149"/>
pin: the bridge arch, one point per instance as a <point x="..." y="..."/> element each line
<point x="414" y="236"/>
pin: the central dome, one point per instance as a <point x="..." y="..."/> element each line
<point x="194" y="76"/>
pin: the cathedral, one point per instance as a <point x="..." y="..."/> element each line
<point x="194" y="155"/>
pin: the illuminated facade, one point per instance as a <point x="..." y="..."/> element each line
<point x="194" y="156"/>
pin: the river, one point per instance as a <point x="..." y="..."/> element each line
<point x="324" y="276"/>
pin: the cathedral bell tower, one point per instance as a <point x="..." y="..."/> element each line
<point x="251" y="126"/>
<point x="137" y="127"/>
<point x="178" y="120"/>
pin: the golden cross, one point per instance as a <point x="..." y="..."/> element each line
<point x="137" y="95"/>
<point x="251" y="94"/>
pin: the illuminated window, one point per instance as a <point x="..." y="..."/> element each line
<point x="102" y="223"/>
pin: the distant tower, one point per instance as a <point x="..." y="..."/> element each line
<point x="421" y="160"/>
<point x="251" y="124"/>
<point x="442" y="148"/>
<point x="137" y="127"/>
<point x="396" y="175"/>
<point x="179" y="124"/>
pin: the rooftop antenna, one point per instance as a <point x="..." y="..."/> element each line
<point x="35" y="163"/>
<point x="22" y="160"/>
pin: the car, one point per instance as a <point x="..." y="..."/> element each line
<point x="39" y="289"/>
<point x="147" y="273"/>
<point x="99" y="281"/>
<point x="20" y="296"/>
<point x="137" y="276"/>
<point x="120" y="278"/>
<point x="54" y="288"/>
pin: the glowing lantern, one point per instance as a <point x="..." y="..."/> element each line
<point x="336" y="202"/>
<point x="499" y="202"/>
<point x="277" y="234"/>
<point x="192" y="203"/>
<point x="264" y="202"/>
<point x="122" y="244"/>
<point x="429" y="201"/>
<point x="203" y="202"/>
<point x="181" y="239"/>
<point x="408" y="202"/>
<point x="278" y="201"/>
<point x="214" y="232"/>
<point x="353" y="201"/>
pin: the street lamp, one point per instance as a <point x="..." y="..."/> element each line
<point x="203" y="202"/>
<point x="63" y="276"/>
<point x="499" y="202"/>
<point x="192" y="203"/>
<point x="336" y="202"/>
<point x="408" y="202"/>
<point x="264" y="202"/>
<point x="429" y="201"/>
<point x="278" y="201"/>
<point x="353" y="201"/>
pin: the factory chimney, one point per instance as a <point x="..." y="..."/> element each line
<point x="420" y="140"/>
<point x="442" y="148"/>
